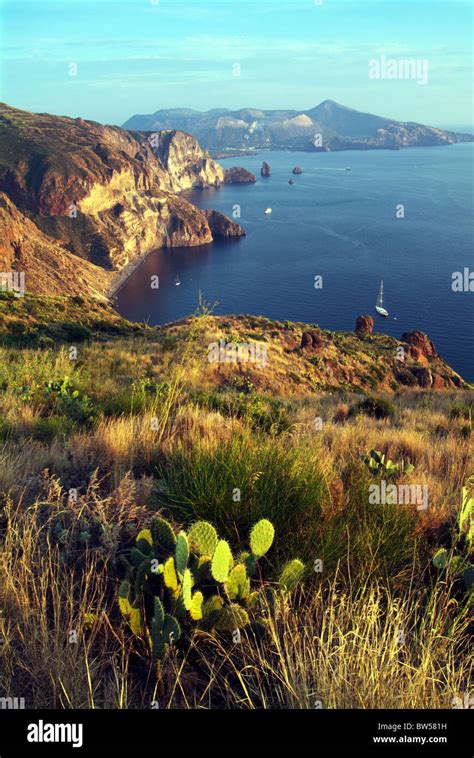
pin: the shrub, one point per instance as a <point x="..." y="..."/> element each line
<point x="76" y="332"/>
<point x="341" y="413"/>
<point x="244" y="479"/>
<point x="376" y="407"/>
<point x="47" y="429"/>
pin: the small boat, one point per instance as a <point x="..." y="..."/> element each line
<point x="268" y="210"/>
<point x="348" y="168"/>
<point x="379" y="305"/>
<point x="177" y="281"/>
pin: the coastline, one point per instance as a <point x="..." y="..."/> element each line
<point x="125" y="273"/>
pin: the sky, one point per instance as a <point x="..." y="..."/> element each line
<point x="109" y="59"/>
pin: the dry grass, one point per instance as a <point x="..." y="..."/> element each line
<point x="184" y="445"/>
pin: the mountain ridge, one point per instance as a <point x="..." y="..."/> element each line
<point x="327" y="126"/>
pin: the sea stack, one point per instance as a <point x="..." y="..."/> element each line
<point x="266" y="169"/>
<point x="297" y="170"/>
<point x="364" y="325"/>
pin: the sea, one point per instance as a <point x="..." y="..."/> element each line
<point x="349" y="221"/>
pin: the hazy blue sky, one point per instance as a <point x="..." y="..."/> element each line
<point x="136" y="56"/>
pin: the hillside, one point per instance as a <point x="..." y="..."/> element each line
<point x="341" y="128"/>
<point x="106" y="425"/>
<point x="76" y="189"/>
<point x="282" y="359"/>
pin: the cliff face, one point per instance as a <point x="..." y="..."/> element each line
<point x="48" y="267"/>
<point x="100" y="192"/>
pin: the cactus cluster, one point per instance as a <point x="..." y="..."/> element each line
<point x="377" y="463"/>
<point x="192" y="578"/>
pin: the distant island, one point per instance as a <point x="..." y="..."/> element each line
<point x="328" y="126"/>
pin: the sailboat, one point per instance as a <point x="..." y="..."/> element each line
<point x="177" y="281"/>
<point x="379" y="305"/>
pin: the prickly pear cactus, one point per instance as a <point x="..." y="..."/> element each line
<point x="203" y="538"/>
<point x="221" y="562"/>
<point x="162" y="534"/>
<point x="182" y="553"/>
<point x="261" y="537"/>
<point x="291" y="575"/>
<point x="191" y="579"/>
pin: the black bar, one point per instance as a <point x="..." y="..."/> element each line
<point x="323" y="732"/>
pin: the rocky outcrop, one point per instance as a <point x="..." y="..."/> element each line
<point x="104" y="194"/>
<point x="266" y="169"/>
<point x="48" y="267"/>
<point x="237" y="175"/>
<point x="311" y="340"/>
<point x="364" y="325"/>
<point x="221" y="226"/>
<point x="297" y="170"/>
<point x="419" y="344"/>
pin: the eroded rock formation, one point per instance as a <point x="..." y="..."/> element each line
<point x="364" y="325"/>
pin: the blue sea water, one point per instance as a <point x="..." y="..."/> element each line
<point x="341" y="225"/>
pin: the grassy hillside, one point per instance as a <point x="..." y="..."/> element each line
<point x="135" y="421"/>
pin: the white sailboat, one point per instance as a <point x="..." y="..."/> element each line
<point x="379" y="305"/>
<point x="177" y="281"/>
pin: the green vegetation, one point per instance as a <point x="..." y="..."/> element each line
<point x="192" y="579"/>
<point x="133" y="448"/>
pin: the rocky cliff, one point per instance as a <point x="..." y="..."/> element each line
<point x="99" y="193"/>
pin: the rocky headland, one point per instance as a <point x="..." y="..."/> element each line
<point x="81" y="201"/>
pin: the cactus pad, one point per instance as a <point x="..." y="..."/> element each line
<point x="162" y="532"/>
<point x="159" y="612"/>
<point x="231" y="617"/>
<point x="238" y="583"/>
<point x="291" y="575"/>
<point x="221" y="561"/>
<point x="195" y="610"/>
<point x="261" y="537"/>
<point x="170" y="577"/>
<point x="182" y="553"/>
<point x="186" y="589"/>
<point x="145" y="534"/>
<point x="203" y="538"/>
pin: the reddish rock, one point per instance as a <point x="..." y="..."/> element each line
<point x="421" y="341"/>
<point x="311" y="340"/>
<point x="438" y="382"/>
<point x="297" y="170"/>
<point x="415" y="353"/>
<point x="364" y="325"/>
